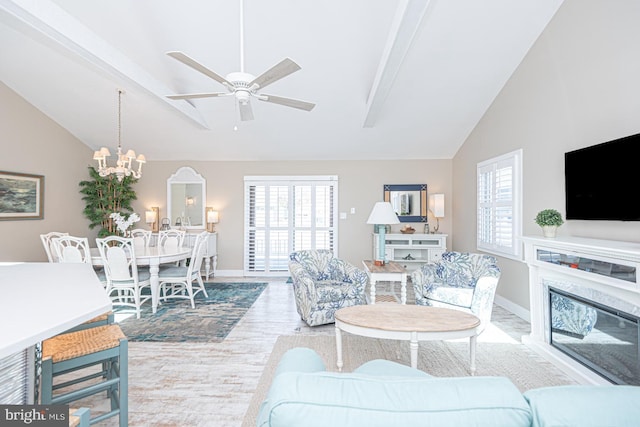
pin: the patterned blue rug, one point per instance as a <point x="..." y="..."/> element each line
<point x="175" y="321"/>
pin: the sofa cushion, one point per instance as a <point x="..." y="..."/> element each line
<point x="388" y="368"/>
<point x="585" y="406"/>
<point x="336" y="399"/>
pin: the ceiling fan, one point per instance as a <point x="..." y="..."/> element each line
<point x="244" y="86"/>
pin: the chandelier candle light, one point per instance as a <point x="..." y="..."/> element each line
<point x="123" y="164"/>
<point x="381" y="215"/>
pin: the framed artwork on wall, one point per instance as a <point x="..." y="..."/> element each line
<point x="21" y="196"/>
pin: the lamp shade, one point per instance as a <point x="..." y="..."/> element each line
<point x="436" y="205"/>
<point x="212" y="217"/>
<point x="382" y="213"/>
<point x="150" y="217"/>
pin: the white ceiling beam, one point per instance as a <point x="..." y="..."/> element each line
<point x="404" y="27"/>
<point x="56" y="25"/>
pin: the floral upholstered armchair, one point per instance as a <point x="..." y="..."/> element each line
<point x="323" y="284"/>
<point x="463" y="281"/>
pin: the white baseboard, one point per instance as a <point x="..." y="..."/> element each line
<point x="229" y="273"/>
<point x="514" y="308"/>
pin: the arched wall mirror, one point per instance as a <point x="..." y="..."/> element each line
<point x="409" y="201"/>
<point x="186" y="198"/>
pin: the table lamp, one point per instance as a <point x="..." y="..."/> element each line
<point x="436" y="206"/>
<point x="381" y="215"/>
<point x="212" y="219"/>
<point x="151" y="218"/>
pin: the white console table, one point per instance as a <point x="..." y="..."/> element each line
<point x="412" y="250"/>
<point x="211" y="252"/>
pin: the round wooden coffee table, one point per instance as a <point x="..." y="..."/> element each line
<point x="411" y="323"/>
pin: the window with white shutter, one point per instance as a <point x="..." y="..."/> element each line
<point x="286" y="214"/>
<point x="499" y="199"/>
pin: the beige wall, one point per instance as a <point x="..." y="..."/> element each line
<point x="359" y="186"/>
<point x="31" y="142"/>
<point x="578" y="86"/>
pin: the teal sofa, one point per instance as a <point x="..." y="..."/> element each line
<point x="383" y="393"/>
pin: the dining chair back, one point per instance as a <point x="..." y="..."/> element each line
<point x="47" y="240"/>
<point x="125" y="281"/>
<point x="72" y="249"/>
<point x="171" y="238"/>
<point x="141" y="237"/>
<point x="178" y="281"/>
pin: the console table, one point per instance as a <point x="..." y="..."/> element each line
<point x="412" y="250"/>
<point x="211" y="251"/>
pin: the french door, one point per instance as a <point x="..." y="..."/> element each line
<point x="286" y="214"/>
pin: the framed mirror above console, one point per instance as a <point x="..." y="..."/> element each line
<point x="186" y="199"/>
<point x="409" y="201"/>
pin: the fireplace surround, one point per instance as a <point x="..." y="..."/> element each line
<point x="585" y="291"/>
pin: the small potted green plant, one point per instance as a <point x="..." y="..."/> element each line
<point x="549" y="220"/>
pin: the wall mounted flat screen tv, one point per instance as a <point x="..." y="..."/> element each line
<point x="601" y="181"/>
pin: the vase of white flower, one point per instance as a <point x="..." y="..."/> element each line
<point x="123" y="223"/>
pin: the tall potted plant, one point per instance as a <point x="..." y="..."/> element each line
<point x="105" y="195"/>
<point x="549" y="220"/>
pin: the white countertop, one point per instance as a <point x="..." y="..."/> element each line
<point x="40" y="300"/>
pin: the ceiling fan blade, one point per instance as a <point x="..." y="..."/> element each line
<point x="302" y="105"/>
<point x="199" y="67"/>
<point x="199" y="95"/>
<point x="275" y="73"/>
<point x="246" y="113"/>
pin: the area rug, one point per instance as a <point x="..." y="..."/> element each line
<point x="526" y="369"/>
<point x="175" y="321"/>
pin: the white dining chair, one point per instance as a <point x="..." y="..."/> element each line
<point x="47" y="241"/>
<point x="171" y="238"/>
<point x="178" y="281"/>
<point x="72" y="249"/>
<point x="125" y="281"/>
<point x="141" y="237"/>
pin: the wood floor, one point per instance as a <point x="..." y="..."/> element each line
<point x="182" y="384"/>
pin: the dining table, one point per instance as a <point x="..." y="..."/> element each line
<point x="152" y="256"/>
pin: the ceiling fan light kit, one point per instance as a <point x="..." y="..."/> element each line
<point x="243" y="85"/>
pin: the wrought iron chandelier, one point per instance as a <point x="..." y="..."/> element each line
<point x="123" y="163"/>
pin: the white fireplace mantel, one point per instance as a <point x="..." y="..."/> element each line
<point x="620" y="283"/>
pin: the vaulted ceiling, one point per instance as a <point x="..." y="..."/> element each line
<point x="391" y="79"/>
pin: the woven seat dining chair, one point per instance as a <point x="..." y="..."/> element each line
<point x="460" y="280"/>
<point x="79" y="417"/>
<point x="47" y="241"/>
<point x="178" y="281"/>
<point x="125" y="281"/>
<point x="141" y="237"/>
<point x="104" y="351"/>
